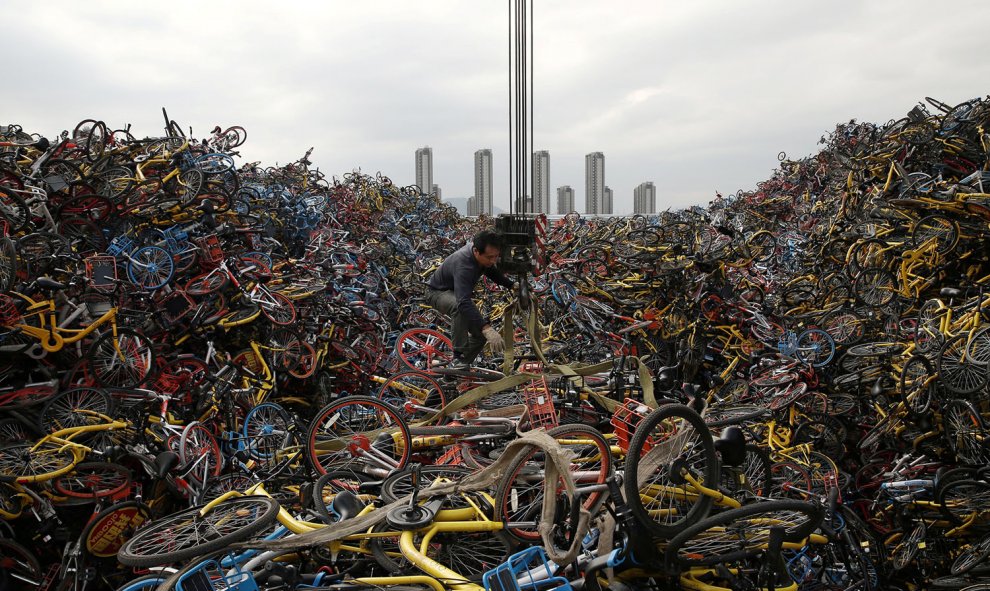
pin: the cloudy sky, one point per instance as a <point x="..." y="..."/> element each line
<point x="696" y="96"/>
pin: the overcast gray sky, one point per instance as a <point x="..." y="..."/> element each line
<point x="696" y="96"/>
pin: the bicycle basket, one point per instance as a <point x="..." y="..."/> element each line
<point x="176" y="306"/>
<point x="101" y="272"/>
<point x="209" y="577"/>
<point x="210" y="249"/>
<point x="626" y="418"/>
<point x="527" y="570"/>
<point x="9" y="314"/>
<point x="539" y="401"/>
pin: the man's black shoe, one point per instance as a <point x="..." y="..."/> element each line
<point x="459" y="364"/>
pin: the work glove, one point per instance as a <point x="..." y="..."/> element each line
<point x="494" y="339"/>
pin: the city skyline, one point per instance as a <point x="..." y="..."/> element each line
<point x="541" y="182"/>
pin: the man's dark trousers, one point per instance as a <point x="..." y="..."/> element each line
<point x="467" y="341"/>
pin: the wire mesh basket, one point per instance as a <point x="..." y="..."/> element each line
<point x="101" y="272"/>
<point x="9" y="314"/>
<point x="539" y="401"/>
<point x="626" y="418"/>
<point x="210" y="250"/>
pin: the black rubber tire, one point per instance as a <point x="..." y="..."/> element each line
<point x="812" y="515"/>
<point x="705" y="453"/>
<point x="508" y="492"/>
<point x="144" y="549"/>
<point x="956" y="372"/>
<point x="14" y="211"/>
<point x="137" y="374"/>
<point x="8" y="264"/>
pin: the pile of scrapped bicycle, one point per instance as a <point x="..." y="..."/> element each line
<point x="223" y="378"/>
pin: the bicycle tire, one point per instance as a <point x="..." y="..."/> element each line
<point x="24" y="462"/>
<point x="978" y="350"/>
<point x="109" y="370"/>
<point x="875" y="287"/>
<point x="415" y="387"/>
<point x="207" y="283"/>
<point x="955" y="372"/>
<point x="150" y="267"/>
<point x="63" y="410"/>
<point x="280" y="311"/>
<point x="958" y="500"/>
<point x="916" y="387"/>
<point x="345" y="432"/>
<point x="676" y="516"/>
<point x="186" y="534"/>
<point x="423" y="349"/>
<point x="8" y="264"/>
<point x="518" y="501"/>
<point x="267" y="430"/>
<point x="815" y="347"/>
<point x="198" y="442"/>
<point x="971" y="555"/>
<point x="965" y="432"/>
<point x="745" y="532"/>
<point x="14" y="211"/>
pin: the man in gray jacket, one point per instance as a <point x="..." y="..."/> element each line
<point x="450" y="290"/>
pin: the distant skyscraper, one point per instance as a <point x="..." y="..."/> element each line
<point x="424" y="169"/>
<point x="541" y="182"/>
<point x="594" y="182"/>
<point x="607" y="201"/>
<point x="436" y="191"/>
<point x="483" y="181"/>
<point x="472" y="206"/>
<point x="645" y="198"/>
<point x="565" y="199"/>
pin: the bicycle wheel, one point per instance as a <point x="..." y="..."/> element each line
<point x="150" y="267"/>
<point x="199" y="453"/>
<point x="19" y="568"/>
<point x="278" y="309"/>
<point x="939" y="228"/>
<point x="669" y="439"/>
<point x="955" y="370"/>
<point x="423" y="349"/>
<point x="412" y="387"/>
<point x="959" y="500"/>
<point x="815" y="347"/>
<point x="267" y="430"/>
<point x="875" y="287"/>
<point x="8" y="264"/>
<point x="916" y="384"/>
<point x="970" y="556"/>
<point x="74" y="408"/>
<point x="122" y="361"/>
<point x="978" y="352"/>
<point x="742" y="533"/>
<point x="519" y="496"/>
<point x="25" y="462"/>
<point x="206" y="283"/>
<point x="90" y="481"/>
<point x="14" y="211"/>
<point x="188" y="534"/>
<point x="965" y="432"/>
<point x="357" y="432"/>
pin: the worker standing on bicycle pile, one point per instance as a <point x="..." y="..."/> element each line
<point x="450" y="290"/>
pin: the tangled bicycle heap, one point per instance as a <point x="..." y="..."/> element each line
<point x="789" y="386"/>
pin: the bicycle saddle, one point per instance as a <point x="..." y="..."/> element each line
<point x="346" y="505"/>
<point x="731" y="445"/>
<point x="49" y="283"/>
<point x="950" y="292"/>
<point x="165" y="462"/>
